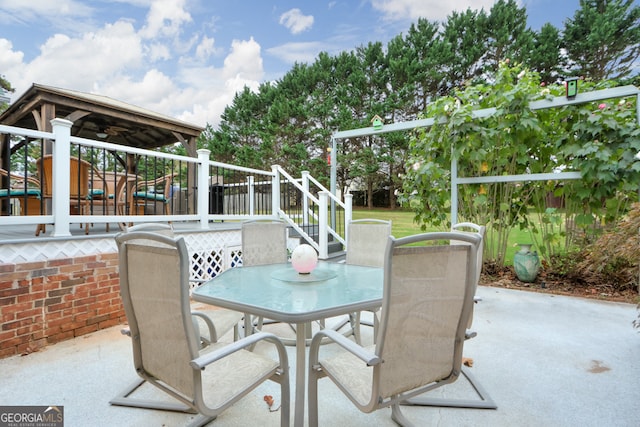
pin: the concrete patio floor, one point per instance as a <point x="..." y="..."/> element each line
<point x="545" y="360"/>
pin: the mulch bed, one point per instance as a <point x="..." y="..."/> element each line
<point x="548" y="282"/>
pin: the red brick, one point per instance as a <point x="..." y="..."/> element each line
<point x="8" y="317"/>
<point x="32" y="296"/>
<point x="71" y="268"/>
<point x="86" y="330"/>
<point x="9" y="351"/>
<point x="60" y="337"/>
<point x="7" y="285"/>
<point x="44" y="272"/>
<point x="13" y="292"/>
<point x="60" y="261"/>
<point x="29" y="313"/>
<point x="52" y="301"/>
<point x="6" y="301"/>
<point x="84" y="259"/>
<point x="84" y="302"/>
<point x="16" y="275"/>
<point x="99" y="291"/>
<point x="7" y="335"/>
<point x="38" y="335"/>
<point x="17" y="308"/>
<point x="6" y="268"/>
<point x="109" y="323"/>
<point x="35" y="265"/>
<point x="59" y="292"/>
<point x="15" y="341"/>
<point x="72" y="282"/>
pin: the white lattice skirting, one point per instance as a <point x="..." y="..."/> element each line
<point x="211" y="251"/>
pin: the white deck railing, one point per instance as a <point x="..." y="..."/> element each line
<point x="201" y="190"/>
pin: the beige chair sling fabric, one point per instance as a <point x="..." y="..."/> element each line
<point x="263" y="242"/>
<point x="223" y="320"/>
<point x="427" y="299"/>
<point x="485" y="401"/>
<point x="366" y="244"/>
<point x="154" y="274"/>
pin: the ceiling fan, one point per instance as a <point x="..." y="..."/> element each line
<point x="103" y="132"/>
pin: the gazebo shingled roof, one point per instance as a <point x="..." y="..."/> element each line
<point x="92" y="114"/>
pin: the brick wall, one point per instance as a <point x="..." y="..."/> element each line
<point x="46" y="302"/>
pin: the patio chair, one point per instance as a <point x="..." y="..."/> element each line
<point x="426" y="303"/>
<point x="469" y="227"/>
<point x="485" y="401"/>
<point x="25" y="189"/>
<point x="154" y="284"/>
<point x="366" y="243"/>
<point x="263" y="242"/>
<point x="78" y="185"/>
<point x="147" y="191"/>
<point x="101" y="195"/>
<point x="222" y="320"/>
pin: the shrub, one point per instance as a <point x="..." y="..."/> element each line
<point x="615" y="255"/>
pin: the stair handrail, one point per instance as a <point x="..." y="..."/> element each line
<point x="307" y="177"/>
<point x="322" y="202"/>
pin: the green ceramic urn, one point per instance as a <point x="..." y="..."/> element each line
<point x="526" y="263"/>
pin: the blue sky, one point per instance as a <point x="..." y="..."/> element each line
<point x="187" y="58"/>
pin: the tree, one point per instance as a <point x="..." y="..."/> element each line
<point x="366" y="159"/>
<point x="597" y="139"/>
<point x="415" y="67"/>
<point x="465" y="44"/>
<point x="603" y="38"/>
<point x="546" y="57"/>
<point x="5" y="86"/>
<point x="507" y="35"/>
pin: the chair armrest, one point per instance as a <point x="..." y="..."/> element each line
<point x="20" y="178"/>
<point x="215" y="355"/>
<point x="213" y="334"/>
<point x="371" y="359"/>
<point x="154" y="182"/>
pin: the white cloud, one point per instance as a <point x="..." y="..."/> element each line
<point x="208" y="90"/>
<point x="58" y="11"/>
<point x="9" y="59"/>
<point x="295" y="21"/>
<point x="298" y="52"/>
<point x="117" y="60"/>
<point x="434" y="10"/>
<point x="153" y="92"/>
<point x="77" y="63"/>
<point x="158" y="51"/>
<point x="205" y="48"/>
<point x="244" y="60"/>
<point x="165" y="19"/>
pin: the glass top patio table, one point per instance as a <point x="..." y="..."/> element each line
<point x="278" y="292"/>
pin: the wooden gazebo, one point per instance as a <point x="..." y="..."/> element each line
<point x="97" y="117"/>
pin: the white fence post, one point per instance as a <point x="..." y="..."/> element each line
<point x="203" y="187"/>
<point x="323" y="231"/>
<point x="275" y="191"/>
<point x="251" y="193"/>
<point x="348" y="208"/>
<point x="305" y="200"/>
<point x="60" y="177"/>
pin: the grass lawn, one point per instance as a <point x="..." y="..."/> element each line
<point x="402" y="225"/>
